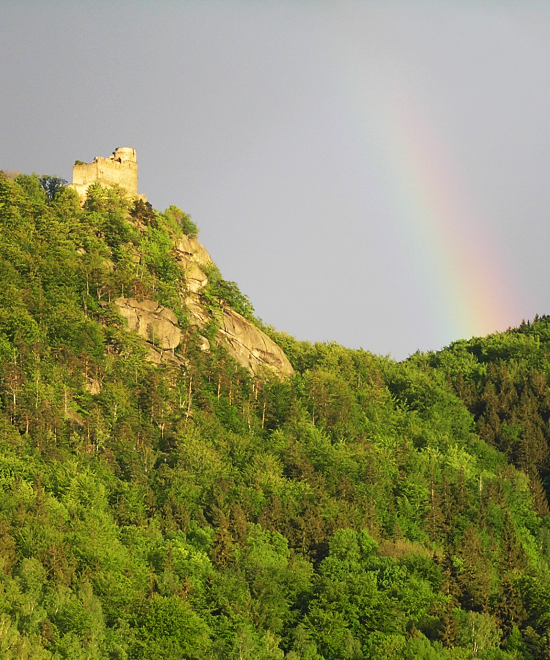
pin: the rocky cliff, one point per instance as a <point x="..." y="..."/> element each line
<point x="159" y="326"/>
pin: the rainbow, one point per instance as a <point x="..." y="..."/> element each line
<point x="451" y="256"/>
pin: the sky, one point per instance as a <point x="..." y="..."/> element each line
<point x="373" y="173"/>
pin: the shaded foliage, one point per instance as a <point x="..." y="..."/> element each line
<point x="52" y="185"/>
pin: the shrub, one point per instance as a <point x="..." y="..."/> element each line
<point x="176" y="215"/>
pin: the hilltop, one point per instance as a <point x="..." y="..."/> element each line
<point x="181" y="481"/>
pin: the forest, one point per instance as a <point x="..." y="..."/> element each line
<point x="360" y="509"/>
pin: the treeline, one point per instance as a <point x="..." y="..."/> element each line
<point x="361" y="509"/>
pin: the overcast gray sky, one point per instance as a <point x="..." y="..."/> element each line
<point x="374" y="173"/>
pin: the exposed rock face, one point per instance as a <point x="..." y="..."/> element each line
<point x="191" y="255"/>
<point x="196" y="279"/>
<point x="246" y="343"/>
<point x="189" y="249"/>
<point x="159" y="325"/>
<point x="251" y="347"/>
<point x="156" y="324"/>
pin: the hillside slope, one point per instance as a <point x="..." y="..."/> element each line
<point x="162" y="498"/>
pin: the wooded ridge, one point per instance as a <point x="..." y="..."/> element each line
<point x="172" y="489"/>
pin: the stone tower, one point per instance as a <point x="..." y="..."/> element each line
<point x="119" y="169"/>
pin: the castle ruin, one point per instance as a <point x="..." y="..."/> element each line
<point x="119" y="169"/>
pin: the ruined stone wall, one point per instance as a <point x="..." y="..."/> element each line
<point x="119" y="169"/>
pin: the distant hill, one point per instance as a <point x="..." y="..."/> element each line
<point x="180" y="481"/>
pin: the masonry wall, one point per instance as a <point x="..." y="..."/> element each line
<point x="119" y="169"/>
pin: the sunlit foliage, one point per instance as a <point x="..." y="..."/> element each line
<point x="361" y="509"/>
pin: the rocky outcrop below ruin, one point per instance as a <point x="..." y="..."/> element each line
<point x="191" y="255"/>
<point x="252" y="348"/>
<point x="159" y="326"/>
<point x="156" y="324"/>
<point x="190" y="250"/>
